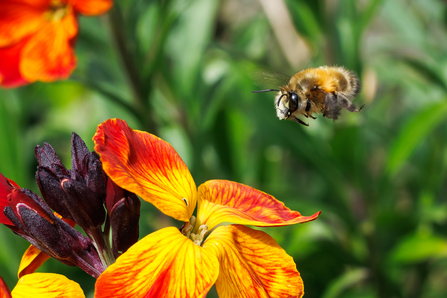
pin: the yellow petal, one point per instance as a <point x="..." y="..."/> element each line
<point x="148" y="166"/>
<point x="48" y="285"/>
<point x="252" y="265"/>
<point x="32" y="259"/>
<point x="163" y="264"/>
<point x="227" y="201"/>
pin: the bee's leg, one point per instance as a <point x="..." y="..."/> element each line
<point x="308" y="105"/>
<point x="310" y="115"/>
<point x="347" y="104"/>
<point x="299" y="121"/>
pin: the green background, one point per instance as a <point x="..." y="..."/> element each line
<point x="184" y="70"/>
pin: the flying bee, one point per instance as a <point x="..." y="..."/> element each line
<point x="324" y="90"/>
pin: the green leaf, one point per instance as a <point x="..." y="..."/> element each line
<point x="413" y="133"/>
<point x="417" y="248"/>
<point x="347" y="280"/>
<point x="431" y="74"/>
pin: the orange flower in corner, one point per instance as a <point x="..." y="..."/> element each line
<point x="169" y="263"/>
<point x="37" y="38"/>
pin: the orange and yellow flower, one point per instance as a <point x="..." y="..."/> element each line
<point x="37" y="38"/>
<point x="241" y="261"/>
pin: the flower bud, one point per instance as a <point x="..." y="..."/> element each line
<point x="87" y="210"/>
<point x="124" y="212"/>
<point x="46" y="157"/>
<point x="50" y="187"/>
<point x="76" y="194"/>
<point x="29" y="213"/>
<point x="37" y="224"/>
<point x="124" y="221"/>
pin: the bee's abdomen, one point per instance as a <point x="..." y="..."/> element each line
<point x="348" y="82"/>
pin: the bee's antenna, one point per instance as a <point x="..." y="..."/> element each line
<point x="266" y="90"/>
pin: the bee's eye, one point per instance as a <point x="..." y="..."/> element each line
<point x="293" y="103"/>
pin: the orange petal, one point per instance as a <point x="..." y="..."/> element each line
<point x="252" y="265"/>
<point x="47" y="285"/>
<point x="92" y="7"/>
<point x="227" y="201"/>
<point x="48" y="55"/>
<point x="163" y="264"/>
<point x="4" y="290"/>
<point x="32" y="259"/>
<point x="148" y="166"/>
<point x="18" y="20"/>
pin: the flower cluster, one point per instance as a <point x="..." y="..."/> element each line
<point x="171" y="262"/>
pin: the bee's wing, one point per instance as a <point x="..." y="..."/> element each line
<point x="331" y="106"/>
<point x="269" y="79"/>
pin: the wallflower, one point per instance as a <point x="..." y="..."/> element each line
<point x="37" y="38"/>
<point x="241" y="261"/>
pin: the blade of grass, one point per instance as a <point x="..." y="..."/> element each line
<point x="412" y="134"/>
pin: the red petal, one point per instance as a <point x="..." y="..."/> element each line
<point x="4" y="290"/>
<point x="227" y="201"/>
<point x="147" y="166"/>
<point x="18" y="20"/>
<point x="92" y="7"/>
<point x="10" y="76"/>
<point x="252" y="265"/>
<point x="6" y="187"/>
<point x="163" y="264"/>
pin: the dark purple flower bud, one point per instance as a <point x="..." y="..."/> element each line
<point x="37" y="224"/>
<point x="78" y="152"/>
<point x="124" y="222"/>
<point x="86" y="209"/>
<point x="123" y="208"/>
<point x="46" y="157"/>
<point x="79" y="193"/>
<point x="96" y="177"/>
<point x="50" y="187"/>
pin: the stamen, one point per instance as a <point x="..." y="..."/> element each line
<point x="187" y="228"/>
<point x="198" y="238"/>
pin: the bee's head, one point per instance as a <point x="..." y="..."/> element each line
<point x="286" y="104"/>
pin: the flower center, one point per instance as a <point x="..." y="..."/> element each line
<point x="187" y="228"/>
<point x="198" y="238"/>
<point x="57" y="11"/>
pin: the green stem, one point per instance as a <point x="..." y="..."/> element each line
<point x="102" y="246"/>
<point x="117" y="26"/>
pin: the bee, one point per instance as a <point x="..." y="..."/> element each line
<point x="324" y="90"/>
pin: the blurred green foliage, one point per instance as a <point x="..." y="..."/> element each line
<point x="183" y="70"/>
